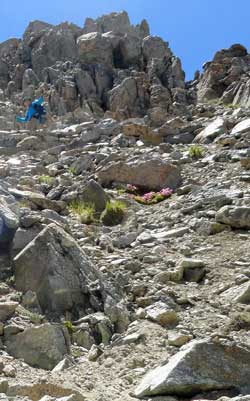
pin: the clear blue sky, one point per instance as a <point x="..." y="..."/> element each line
<point x="195" y="29"/>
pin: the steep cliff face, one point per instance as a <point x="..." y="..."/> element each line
<point x="108" y="65"/>
<point x="226" y="77"/>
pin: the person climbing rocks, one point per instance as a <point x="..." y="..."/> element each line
<point x="35" y="110"/>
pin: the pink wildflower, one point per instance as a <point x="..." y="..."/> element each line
<point x="148" y="196"/>
<point x="166" y="192"/>
<point x="131" y="188"/>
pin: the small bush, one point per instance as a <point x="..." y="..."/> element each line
<point x="85" y="211"/>
<point x="195" y="151"/>
<point x="45" y="179"/>
<point x="113" y="213"/>
<point x="232" y="106"/>
<point x="69" y="326"/>
<point x="72" y="170"/>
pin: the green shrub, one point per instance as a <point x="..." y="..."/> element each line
<point x="113" y="213"/>
<point x="69" y="326"/>
<point x="45" y="179"/>
<point x="195" y="151"/>
<point x="72" y="170"/>
<point x="232" y="106"/>
<point x="85" y="211"/>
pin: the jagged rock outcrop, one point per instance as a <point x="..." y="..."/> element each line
<point x="226" y="77"/>
<point x="116" y="22"/>
<point x="108" y="65"/>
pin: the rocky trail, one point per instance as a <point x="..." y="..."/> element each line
<point x="124" y="222"/>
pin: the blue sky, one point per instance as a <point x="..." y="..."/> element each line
<point x="195" y="29"/>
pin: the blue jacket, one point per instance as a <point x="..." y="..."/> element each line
<point x="31" y="111"/>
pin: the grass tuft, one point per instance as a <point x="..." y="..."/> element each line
<point x="85" y="211"/>
<point x="113" y="213"/>
<point x="195" y="151"/>
<point x="45" y="179"/>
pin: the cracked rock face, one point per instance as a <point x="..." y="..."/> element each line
<point x="57" y="270"/>
<point x="78" y="68"/>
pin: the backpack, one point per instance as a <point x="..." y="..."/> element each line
<point x="39" y="109"/>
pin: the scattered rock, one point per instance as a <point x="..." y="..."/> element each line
<point x="7" y="309"/>
<point x="42" y="346"/>
<point x="200" y="366"/>
<point x="234" y="216"/>
<point x="162" y="313"/>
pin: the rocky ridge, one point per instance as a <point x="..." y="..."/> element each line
<point x="148" y="297"/>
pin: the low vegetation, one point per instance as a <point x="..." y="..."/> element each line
<point x="113" y="213"/>
<point x="195" y="151"/>
<point x="72" y="170"/>
<point x="85" y="211"/>
<point x="148" y="198"/>
<point x="69" y="326"/>
<point x="45" y="179"/>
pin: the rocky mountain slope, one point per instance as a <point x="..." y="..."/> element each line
<point x="124" y="223"/>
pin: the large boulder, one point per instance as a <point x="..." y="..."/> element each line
<point x="52" y="44"/>
<point x="153" y="174"/>
<point x="85" y="84"/>
<point x="95" y="48"/>
<point x="238" y="294"/>
<point x="155" y="47"/>
<point x="36" y="200"/>
<point x="58" y="271"/>
<point x="8" y="51"/>
<point x="241" y="127"/>
<point x="4" y="74"/>
<point x="42" y="346"/>
<point x="29" y="78"/>
<point x="212" y="131"/>
<point x="200" y="366"/>
<point x="123" y="96"/>
<point x="130" y="51"/>
<point x="236" y="50"/>
<point x="8" y="223"/>
<point x="7" y="309"/>
<point x="130" y="98"/>
<point x="234" y="216"/>
<point x="94" y="194"/>
<point x="117" y="23"/>
<point x="225" y="77"/>
<point x="33" y="28"/>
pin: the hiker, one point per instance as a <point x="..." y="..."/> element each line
<point x="35" y="110"/>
